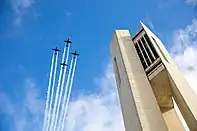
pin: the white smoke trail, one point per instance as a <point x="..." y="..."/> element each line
<point x="65" y="95"/>
<point x="69" y="93"/>
<point x="48" y="95"/>
<point x="57" y="93"/>
<point x="52" y="92"/>
<point x="61" y="89"/>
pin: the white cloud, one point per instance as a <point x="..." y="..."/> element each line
<point x="26" y="115"/>
<point x="97" y="112"/>
<point x="6" y="106"/>
<point x="192" y="2"/>
<point x="33" y="100"/>
<point x="184" y="52"/>
<point x="19" y="7"/>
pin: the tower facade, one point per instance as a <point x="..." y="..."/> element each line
<point x="149" y="83"/>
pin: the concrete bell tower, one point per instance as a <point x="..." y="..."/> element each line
<point x="148" y="80"/>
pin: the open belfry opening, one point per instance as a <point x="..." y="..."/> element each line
<point x="148" y="81"/>
<point x="155" y="70"/>
<point x="157" y="76"/>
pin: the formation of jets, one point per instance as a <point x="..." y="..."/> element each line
<point x="73" y="53"/>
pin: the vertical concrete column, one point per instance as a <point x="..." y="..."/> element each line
<point x="139" y="106"/>
<point x="182" y="93"/>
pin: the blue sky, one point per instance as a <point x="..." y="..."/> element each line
<point x="30" y="28"/>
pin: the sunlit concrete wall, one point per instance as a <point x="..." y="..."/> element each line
<point x="138" y="103"/>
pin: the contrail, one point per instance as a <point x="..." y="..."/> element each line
<point x="61" y="89"/>
<point x="48" y="95"/>
<point x="57" y="92"/>
<point x="65" y="94"/>
<point x="52" y="92"/>
<point x="69" y="93"/>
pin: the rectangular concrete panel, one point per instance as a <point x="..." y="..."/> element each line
<point x="185" y="107"/>
<point x="172" y="120"/>
<point x="129" y="111"/>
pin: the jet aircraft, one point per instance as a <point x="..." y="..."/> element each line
<point x="63" y="64"/>
<point x="75" y="54"/>
<point x="67" y="42"/>
<point x="56" y="50"/>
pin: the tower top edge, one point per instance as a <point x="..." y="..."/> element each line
<point x="133" y="36"/>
